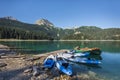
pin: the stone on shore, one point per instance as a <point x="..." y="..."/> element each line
<point x="4" y="49"/>
<point x="30" y="68"/>
<point x="3" y="64"/>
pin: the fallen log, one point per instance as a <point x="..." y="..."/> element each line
<point x="33" y="59"/>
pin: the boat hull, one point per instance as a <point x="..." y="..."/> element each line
<point x="49" y="62"/>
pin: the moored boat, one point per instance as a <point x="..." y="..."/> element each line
<point x="69" y="54"/>
<point x="83" y="60"/>
<point x="49" y="62"/>
<point x="63" y="66"/>
<point x="84" y="54"/>
<point x="93" y="51"/>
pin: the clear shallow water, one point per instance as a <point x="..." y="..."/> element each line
<point x="110" y="67"/>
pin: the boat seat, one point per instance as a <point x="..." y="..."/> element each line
<point x="65" y="65"/>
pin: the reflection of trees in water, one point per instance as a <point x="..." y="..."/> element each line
<point x="46" y="46"/>
<point x="96" y="57"/>
<point x="108" y="46"/>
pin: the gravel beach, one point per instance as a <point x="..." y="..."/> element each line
<point x="21" y="67"/>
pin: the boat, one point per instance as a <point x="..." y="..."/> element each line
<point x="84" y="54"/>
<point x="64" y="54"/>
<point x="63" y="66"/>
<point x="49" y="62"/>
<point x="92" y="51"/>
<point x="70" y="54"/>
<point x="83" y="60"/>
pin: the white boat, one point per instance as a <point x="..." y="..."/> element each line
<point x="81" y="54"/>
<point x="72" y="55"/>
<point x="83" y="60"/>
<point x="63" y="66"/>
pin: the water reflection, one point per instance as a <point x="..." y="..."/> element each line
<point x="110" y="53"/>
<point x="46" y="46"/>
<point x="90" y="66"/>
<point x="97" y="57"/>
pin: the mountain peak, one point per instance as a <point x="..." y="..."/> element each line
<point x="44" y="22"/>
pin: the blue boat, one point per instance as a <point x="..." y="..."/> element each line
<point x="49" y="62"/>
<point x="84" y="60"/>
<point x="84" y="54"/>
<point x="63" y="66"/>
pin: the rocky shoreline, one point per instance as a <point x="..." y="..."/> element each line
<point x="22" y="67"/>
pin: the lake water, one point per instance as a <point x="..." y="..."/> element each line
<point x="110" y="67"/>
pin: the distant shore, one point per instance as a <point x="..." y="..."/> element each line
<point x="52" y="40"/>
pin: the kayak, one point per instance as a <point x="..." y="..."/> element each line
<point x="63" y="66"/>
<point x="49" y="62"/>
<point x="84" y="54"/>
<point x="83" y="60"/>
<point x="93" y="51"/>
<point x="64" y="55"/>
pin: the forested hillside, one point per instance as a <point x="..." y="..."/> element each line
<point x="14" y="29"/>
<point x="19" y="30"/>
<point x="93" y="33"/>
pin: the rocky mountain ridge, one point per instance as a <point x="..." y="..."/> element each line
<point x="44" y="22"/>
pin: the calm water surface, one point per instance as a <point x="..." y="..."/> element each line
<point x="110" y="67"/>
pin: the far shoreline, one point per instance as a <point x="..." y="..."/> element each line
<point x="52" y="40"/>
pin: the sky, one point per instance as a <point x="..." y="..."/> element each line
<point x="65" y="13"/>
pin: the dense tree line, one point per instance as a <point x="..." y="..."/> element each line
<point x="101" y="34"/>
<point x="19" y="30"/>
<point x="92" y="33"/>
<point x="8" y="33"/>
